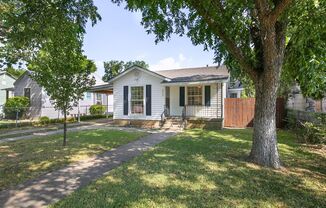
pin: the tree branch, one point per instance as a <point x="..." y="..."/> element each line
<point x="278" y="10"/>
<point x="218" y="30"/>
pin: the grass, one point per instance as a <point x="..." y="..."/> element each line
<point x="27" y="159"/>
<point x="209" y="169"/>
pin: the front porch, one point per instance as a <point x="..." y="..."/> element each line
<point x="197" y="105"/>
<point x="201" y="100"/>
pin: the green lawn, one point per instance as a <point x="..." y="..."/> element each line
<point x="26" y="159"/>
<point x="209" y="169"/>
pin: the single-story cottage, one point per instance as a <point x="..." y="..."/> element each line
<point x="192" y="96"/>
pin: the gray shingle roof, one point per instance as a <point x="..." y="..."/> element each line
<point x="196" y="74"/>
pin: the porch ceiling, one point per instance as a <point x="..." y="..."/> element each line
<point x="104" y="89"/>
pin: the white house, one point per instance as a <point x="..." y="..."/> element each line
<point x="147" y="98"/>
<point x="297" y="101"/>
<point x="234" y="89"/>
<point x="40" y="103"/>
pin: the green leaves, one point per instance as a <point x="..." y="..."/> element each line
<point x="232" y="29"/>
<point x="47" y="35"/>
<point x="305" y="60"/>
<point x="25" y="26"/>
<point x="114" y="67"/>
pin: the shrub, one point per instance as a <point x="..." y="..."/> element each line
<point x="309" y="127"/>
<point x="44" y="120"/>
<point x="16" y="104"/>
<point x="71" y="119"/>
<point x="97" y="110"/>
<point x="90" y="117"/>
<point x="314" y="134"/>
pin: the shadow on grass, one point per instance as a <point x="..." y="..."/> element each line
<point x="207" y="169"/>
<point x="26" y="159"/>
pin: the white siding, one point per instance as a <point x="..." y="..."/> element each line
<point x="36" y="94"/>
<point x="138" y="78"/>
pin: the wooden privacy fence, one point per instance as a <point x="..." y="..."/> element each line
<point x="239" y="112"/>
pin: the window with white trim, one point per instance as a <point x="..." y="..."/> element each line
<point x="98" y="98"/>
<point x="137" y="100"/>
<point x="195" y="95"/>
<point x="88" y="96"/>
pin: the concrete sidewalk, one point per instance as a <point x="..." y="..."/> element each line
<point x="44" y="132"/>
<point x="30" y="130"/>
<point x="54" y="186"/>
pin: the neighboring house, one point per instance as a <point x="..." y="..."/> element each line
<point x="40" y="103"/>
<point x="235" y="89"/>
<point x="6" y="87"/>
<point x="297" y="101"/>
<point x="144" y="97"/>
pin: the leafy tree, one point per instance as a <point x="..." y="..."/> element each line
<point x="250" y="36"/>
<point x="65" y="78"/>
<point x="111" y="69"/>
<point x="15" y="72"/>
<point x="62" y="69"/>
<point x="142" y="64"/>
<point x="47" y="35"/>
<point x="24" y="24"/>
<point x="114" y="67"/>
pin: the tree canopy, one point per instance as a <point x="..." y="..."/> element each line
<point x="114" y="67"/>
<point x="25" y="26"/>
<point x="47" y="35"/>
<point x="231" y="29"/>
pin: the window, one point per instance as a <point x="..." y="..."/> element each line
<point x="98" y="99"/>
<point x="137" y="100"/>
<point x="233" y="95"/>
<point x="195" y="95"/>
<point x="27" y="93"/>
<point x="88" y="96"/>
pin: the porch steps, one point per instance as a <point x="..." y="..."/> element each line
<point x="173" y="123"/>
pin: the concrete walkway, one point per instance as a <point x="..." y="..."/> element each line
<point x="54" y="186"/>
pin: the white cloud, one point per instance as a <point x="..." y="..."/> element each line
<point x="182" y="57"/>
<point x="169" y="63"/>
<point x="100" y="68"/>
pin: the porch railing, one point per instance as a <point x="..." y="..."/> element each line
<point x="201" y="111"/>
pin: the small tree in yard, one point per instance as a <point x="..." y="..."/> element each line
<point x="65" y="79"/>
<point x="62" y="69"/>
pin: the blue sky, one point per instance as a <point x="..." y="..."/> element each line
<point x="120" y="36"/>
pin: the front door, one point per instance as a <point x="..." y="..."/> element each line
<point x="167" y="99"/>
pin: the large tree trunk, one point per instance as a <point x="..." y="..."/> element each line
<point x="65" y="128"/>
<point x="264" y="148"/>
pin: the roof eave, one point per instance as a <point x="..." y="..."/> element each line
<point x="221" y="80"/>
<point x="139" y="68"/>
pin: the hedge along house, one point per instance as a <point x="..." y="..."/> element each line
<point x="190" y="97"/>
